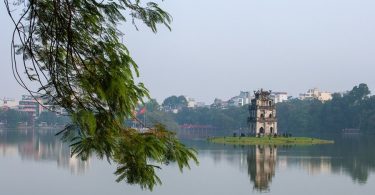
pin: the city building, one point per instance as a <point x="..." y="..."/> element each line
<point x="262" y="120"/>
<point x="279" y="96"/>
<point x="8" y="103"/>
<point x="315" y="94"/>
<point x="218" y="103"/>
<point x="200" y="104"/>
<point x="31" y="105"/>
<point x="191" y="103"/>
<point x="244" y="98"/>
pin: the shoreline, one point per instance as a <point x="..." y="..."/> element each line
<point x="269" y="140"/>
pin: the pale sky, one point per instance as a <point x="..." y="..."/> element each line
<point x="217" y="48"/>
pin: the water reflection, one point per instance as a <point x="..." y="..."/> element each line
<point x="349" y="156"/>
<point x="261" y="168"/>
<point x="40" y="145"/>
<point x="261" y="161"/>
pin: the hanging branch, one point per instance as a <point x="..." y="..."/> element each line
<point x="71" y="49"/>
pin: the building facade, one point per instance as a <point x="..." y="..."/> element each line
<point x="8" y="103"/>
<point x="242" y="99"/>
<point x="31" y="105"/>
<point x="191" y="103"/>
<point x="316" y="94"/>
<point x="279" y="97"/>
<point x="262" y="120"/>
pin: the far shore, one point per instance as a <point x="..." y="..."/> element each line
<point x="265" y="140"/>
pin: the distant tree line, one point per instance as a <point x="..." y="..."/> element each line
<point x="174" y="102"/>
<point x="222" y="119"/>
<point x="12" y="118"/>
<point x="52" y="118"/>
<point x="353" y="109"/>
<point x="229" y="119"/>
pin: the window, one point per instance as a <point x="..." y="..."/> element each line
<point x="261" y="130"/>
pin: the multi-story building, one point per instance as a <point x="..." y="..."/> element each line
<point x="244" y="98"/>
<point x="325" y="96"/>
<point x="218" y="103"/>
<point x="31" y="105"/>
<point x="279" y="96"/>
<point x="8" y="103"/>
<point x="315" y="94"/>
<point x="191" y="103"/>
<point x="200" y="104"/>
<point x="262" y="120"/>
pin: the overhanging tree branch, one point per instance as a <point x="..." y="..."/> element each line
<point x="71" y="48"/>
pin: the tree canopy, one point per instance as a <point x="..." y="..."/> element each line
<point x="353" y="109"/>
<point x="72" y="50"/>
<point x="174" y="102"/>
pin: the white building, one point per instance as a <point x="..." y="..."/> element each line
<point x="191" y="103"/>
<point x="8" y="103"/>
<point x="316" y="94"/>
<point x="279" y="96"/>
<point x="244" y="98"/>
<point x="200" y="104"/>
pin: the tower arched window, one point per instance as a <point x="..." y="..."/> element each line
<point x="261" y="130"/>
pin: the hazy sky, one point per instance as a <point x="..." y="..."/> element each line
<point x="219" y="47"/>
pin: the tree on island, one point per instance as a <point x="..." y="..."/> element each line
<point x="72" y="50"/>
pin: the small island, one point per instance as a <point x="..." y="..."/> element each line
<point x="263" y="126"/>
<point x="266" y="140"/>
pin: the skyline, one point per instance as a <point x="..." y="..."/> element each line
<point x="284" y="46"/>
<point x="302" y="96"/>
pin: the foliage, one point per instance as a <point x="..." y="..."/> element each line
<point x="227" y="119"/>
<point x="154" y="116"/>
<point x="174" y="102"/>
<point x="52" y="118"/>
<point x="71" y="49"/>
<point x="11" y="118"/>
<point x="152" y="105"/>
<point x="353" y="109"/>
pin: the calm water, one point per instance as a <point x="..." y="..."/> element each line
<point x="38" y="163"/>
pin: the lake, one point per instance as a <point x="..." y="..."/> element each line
<point x="36" y="162"/>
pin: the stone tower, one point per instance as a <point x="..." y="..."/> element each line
<point x="262" y="120"/>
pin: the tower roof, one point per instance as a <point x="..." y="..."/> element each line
<point x="262" y="93"/>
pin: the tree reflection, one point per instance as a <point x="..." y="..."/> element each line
<point x="350" y="156"/>
<point x="39" y="145"/>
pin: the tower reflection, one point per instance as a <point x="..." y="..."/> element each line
<point x="261" y="161"/>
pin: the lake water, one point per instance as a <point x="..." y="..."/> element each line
<point x="36" y="162"/>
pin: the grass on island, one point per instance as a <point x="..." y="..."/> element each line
<point x="269" y="140"/>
